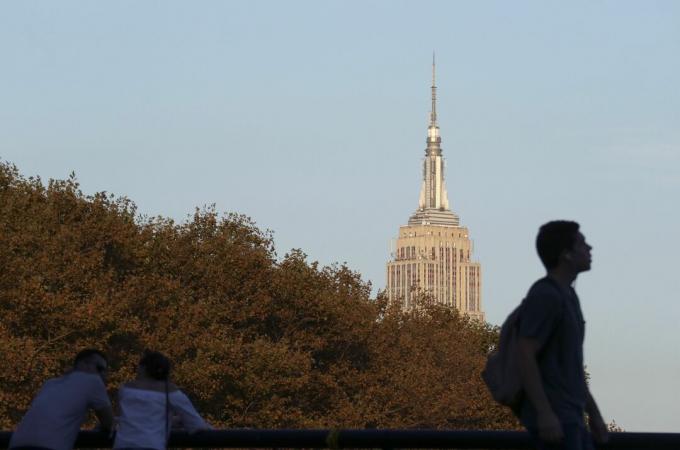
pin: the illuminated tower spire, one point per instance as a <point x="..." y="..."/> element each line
<point x="433" y="114"/>
<point x="433" y="205"/>
<point x="433" y="138"/>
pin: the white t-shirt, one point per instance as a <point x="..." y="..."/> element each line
<point x="60" y="408"/>
<point x="143" y="417"/>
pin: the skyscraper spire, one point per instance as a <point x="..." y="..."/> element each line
<point x="433" y="113"/>
<point x="433" y="138"/>
<point x="433" y="203"/>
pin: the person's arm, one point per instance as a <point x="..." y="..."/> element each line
<point x="549" y="427"/>
<point x="98" y="400"/>
<point x="598" y="427"/>
<point x="105" y="417"/>
<point x="191" y="420"/>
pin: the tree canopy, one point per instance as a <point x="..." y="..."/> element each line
<point x="257" y="340"/>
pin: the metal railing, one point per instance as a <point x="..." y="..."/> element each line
<point x="385" y="439"/>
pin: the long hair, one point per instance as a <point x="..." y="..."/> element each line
<point x="158" y="366"/>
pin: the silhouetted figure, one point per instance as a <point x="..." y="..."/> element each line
<point x="550" y="346"/>
<point x="61" y="406"/>
<point x="150" y="404"/>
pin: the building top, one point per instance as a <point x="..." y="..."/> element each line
<point x="433" y="204"/>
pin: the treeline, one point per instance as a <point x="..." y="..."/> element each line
<point x="258" y="341"/>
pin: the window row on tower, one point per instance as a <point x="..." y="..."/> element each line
<point x="445" y="253"/>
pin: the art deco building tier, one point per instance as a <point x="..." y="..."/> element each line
<point x="433" y="253"/>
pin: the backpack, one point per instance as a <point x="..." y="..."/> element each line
<point x="501" y="373"/>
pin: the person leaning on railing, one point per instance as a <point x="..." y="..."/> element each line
<point x="148" y="405"/>
<point x="60" y="408"/>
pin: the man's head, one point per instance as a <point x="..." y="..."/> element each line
<point x="92" y="361"/>
<point x="559" y="243"/>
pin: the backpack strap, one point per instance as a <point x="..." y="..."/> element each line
<point x="562" y="296"/>
<point x="167" y="414"/>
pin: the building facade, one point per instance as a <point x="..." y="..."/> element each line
<point x="433" y="252"/>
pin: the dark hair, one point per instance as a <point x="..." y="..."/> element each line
<point x="156" y="365"/>
<point x="87" y="354"/>
<point x="554" y="238"/>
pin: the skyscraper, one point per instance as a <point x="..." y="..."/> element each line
<point x="433" y="252"/>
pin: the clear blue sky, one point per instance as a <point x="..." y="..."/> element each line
<point x="311" y="118"/>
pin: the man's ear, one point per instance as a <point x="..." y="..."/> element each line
<point x="567" y="256"/>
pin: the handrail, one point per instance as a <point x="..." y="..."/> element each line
<point x="386" y="439"/>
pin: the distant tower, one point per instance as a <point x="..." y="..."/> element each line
<point x="433" y="252"/>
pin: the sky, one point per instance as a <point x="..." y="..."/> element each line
<point x="311" y="118"/>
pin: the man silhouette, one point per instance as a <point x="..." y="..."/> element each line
<point x="60" y="408"/>
<point x="550" y="346"/>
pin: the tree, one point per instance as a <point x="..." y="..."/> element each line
<point x="257" y="341"/>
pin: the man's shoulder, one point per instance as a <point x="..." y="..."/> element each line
<point x="83" y="381"/>
<point x="79" y="374"/>
<point x="544" y="287"/>
<point x="543" y="293"/>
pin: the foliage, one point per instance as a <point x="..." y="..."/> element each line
<point x="614" y="427"/>
<point x="257" y="341"/>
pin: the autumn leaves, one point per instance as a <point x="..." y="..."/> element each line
<point x="258" y="341"/>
